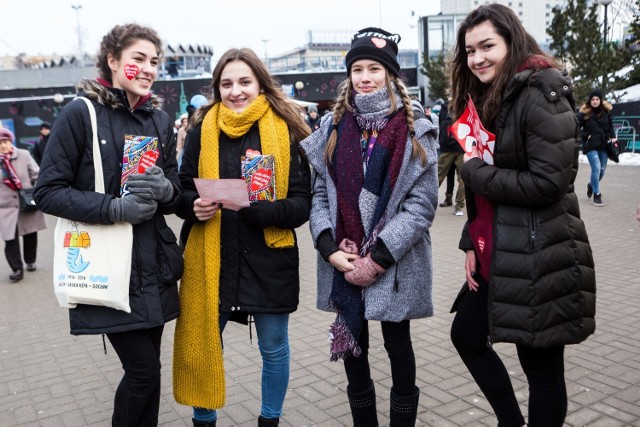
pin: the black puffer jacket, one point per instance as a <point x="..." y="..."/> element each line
<point x="542" y="281"/>
<point x="66" y="189"/>
<point x="596" y="127"/>
<point x="253" y="277"/>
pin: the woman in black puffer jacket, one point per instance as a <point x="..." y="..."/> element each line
<point x="596" y="129"/>
<point x="529" y="269"/>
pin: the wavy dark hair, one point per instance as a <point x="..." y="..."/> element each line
<point x="118" y="39"/>
<point x="521" y="47"/>
<point x="283" y="107"/>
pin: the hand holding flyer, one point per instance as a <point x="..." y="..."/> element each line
<point x="469" y="132"/>
<point x="140" y="152"/>
<point x="231" y="193"/>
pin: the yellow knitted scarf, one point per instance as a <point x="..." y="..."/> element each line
<point x="198" y="371"/>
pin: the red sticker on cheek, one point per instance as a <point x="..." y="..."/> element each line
<point x="131" y="70"/>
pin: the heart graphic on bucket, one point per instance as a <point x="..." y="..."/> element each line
<point x="260" y="179"/>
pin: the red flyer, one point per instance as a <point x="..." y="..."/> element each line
<point x="470" y="132"/>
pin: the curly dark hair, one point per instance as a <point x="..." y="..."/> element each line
<point x="118" y="39"/>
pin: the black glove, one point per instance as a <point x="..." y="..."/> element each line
<point x="151" y="185"/>
<point x="261" y="214"/>
<point x="132" y="209"/>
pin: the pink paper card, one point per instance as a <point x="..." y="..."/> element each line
<point x="232" y="193"/>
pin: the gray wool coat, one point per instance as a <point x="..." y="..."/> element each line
<point x="410" y="210"/>
<point x="10" y="216"/>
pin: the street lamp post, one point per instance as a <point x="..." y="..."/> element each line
<point x="266" y="57"/>
<point x="77" y="8"/>
<point x="606" y="4"/>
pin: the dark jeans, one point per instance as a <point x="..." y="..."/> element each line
<point x="544" y="367"/>
<point x="12" y="250"/>
<point x="137" y="399"/>
<point x="397" y="342"/>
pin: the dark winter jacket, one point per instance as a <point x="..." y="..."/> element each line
<point x="253" y="277"/>
<point x="66" y="189"/>
<point x="38" y="149"/>
<point x="596" y="127"/>
<point x="448" y="144"/>
<point x="542" y="282"/>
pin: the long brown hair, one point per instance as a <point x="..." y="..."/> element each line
<point x="268" y="85"/>
<point x="520" y="46"/>
<point x="343" y="103"/>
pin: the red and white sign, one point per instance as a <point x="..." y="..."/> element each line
<point x="470" y="133"/>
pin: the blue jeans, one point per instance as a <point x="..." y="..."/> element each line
<point x="598" y="162"/>
<point x="273" y="342"/>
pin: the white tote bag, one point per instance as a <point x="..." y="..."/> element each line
<point x="92" y="262"/>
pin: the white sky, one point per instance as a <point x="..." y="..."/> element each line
<point x="50" y="26"/>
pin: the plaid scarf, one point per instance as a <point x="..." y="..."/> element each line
<point x="362" y="201"/>
<point x="9" y="175"/>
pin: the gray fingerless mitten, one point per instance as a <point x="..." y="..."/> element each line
<point x="132" y="209"/>
<point x="151" y="185"/>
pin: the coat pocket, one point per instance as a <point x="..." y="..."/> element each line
<point x="170" y="256"/>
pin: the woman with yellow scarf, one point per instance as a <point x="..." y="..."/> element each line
<point x="240" y="263"/>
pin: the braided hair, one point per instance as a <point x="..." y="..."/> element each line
<point x="343" y="103"/>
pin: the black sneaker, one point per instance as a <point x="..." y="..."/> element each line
<point x="589" y="190"/>
<point x="597" y="200"/>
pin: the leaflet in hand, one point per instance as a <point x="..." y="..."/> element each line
<point x="231" y="193"/>
<point x="469" y="132"/>
<point x="140" y="152"/>
<point x="258" y="171"/>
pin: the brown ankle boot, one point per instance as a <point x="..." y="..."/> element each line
<point x="447" y="200"/>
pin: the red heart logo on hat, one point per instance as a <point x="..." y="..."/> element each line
<point x="380" y="43"/>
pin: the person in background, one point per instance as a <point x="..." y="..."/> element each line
<point x="240" y="263"/>
<point x="127" y="64"/>
<point x="313" y="119"/>
<point x="530" y="278"/>
<point x="450" y="157"/>
<point x="375" y="197"/>
<point x="596" y="126"/>
<point x="38" y="149"/>
<point x="19" y="171"/>
<point x="181" y="136"/>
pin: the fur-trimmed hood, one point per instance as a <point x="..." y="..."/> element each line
<point x="112" y="97"/>
<point x="586" y="108"/>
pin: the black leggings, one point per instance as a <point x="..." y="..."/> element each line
<point x="397" y="342"/>
<point x="544" y="368"/>
<point x="137" y="399"/>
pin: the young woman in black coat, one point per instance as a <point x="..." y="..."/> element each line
<point x="596" y="126"/>
<point x="530" y="278"/>
<point x="128" y="65"/>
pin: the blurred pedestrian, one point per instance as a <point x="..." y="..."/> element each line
<point x="596" y="126"/>
<point x="127" y="64"/>
<point x="19" y="171"/>
<point x="313" y="119"/>
<point x="451" y="154"/>
<point x="38" y="149"/>
<point x="375" y="197"/>
<point x="529" y="268"/>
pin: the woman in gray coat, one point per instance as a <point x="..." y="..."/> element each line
<point x="19" y="171"/>
<point x="375" y="196"/>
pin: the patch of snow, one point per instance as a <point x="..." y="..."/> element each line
<point x="626" y="159"/>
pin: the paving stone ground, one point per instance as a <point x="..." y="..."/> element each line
<point x="50" y="378"/>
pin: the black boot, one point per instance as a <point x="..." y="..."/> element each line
<point x="363" y="407"/>
<point x="16" y="276"/>
<point x="197" y="423"/>
<point x="447" y="200"/>
<point x="404" y="409"/>
<point x="267" y="422"/>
